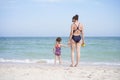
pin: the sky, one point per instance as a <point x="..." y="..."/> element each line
<point x="54" y="17"/>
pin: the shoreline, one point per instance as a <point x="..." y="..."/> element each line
<point x="51" y="61"/>
<point x="42" y="71"/>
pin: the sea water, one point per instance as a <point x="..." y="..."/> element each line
<point x="98" y="50"/>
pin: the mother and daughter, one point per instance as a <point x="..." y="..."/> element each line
<point x="76" y="40"/>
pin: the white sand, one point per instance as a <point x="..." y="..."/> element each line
<point x="10" y="71"/>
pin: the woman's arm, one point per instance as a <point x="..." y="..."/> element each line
<point x="71" y="33"/>
<point x="82" y="33"/>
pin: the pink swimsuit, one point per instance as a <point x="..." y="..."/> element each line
<point x="57" y="50"/>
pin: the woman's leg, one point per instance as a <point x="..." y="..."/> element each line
<point x="78" y="53"/>
<point x="72" y="54"/>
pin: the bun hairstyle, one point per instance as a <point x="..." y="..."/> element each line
<point x="76" y="17"/>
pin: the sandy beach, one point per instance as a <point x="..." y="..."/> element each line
<point x="38" y="71"/>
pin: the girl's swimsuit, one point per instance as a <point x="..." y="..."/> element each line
<point x="57" y="50"/>
<point x="76" y="38"/>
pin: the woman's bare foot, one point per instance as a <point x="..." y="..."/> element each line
<point x="75" y="65"/>
<point x="71" y="65"/>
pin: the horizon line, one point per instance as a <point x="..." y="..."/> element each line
<point x="57" y="36"/>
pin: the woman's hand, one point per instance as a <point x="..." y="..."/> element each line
<point x="69" y="42"/>
<point x="83" y="43"/>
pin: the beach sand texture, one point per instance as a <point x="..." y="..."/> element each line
<point x="10" y="71"/>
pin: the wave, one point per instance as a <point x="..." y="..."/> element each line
<point x="51" y="61"/>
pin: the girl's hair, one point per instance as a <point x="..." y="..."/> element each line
<point x="75" y="17"/>
<point x="58" y="39"/>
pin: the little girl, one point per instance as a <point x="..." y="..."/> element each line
<point x="57" y="49"/>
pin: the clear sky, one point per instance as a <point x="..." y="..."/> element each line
<point x="53" y="17"/>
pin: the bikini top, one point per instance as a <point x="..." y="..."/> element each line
<point x="77" y="28"/>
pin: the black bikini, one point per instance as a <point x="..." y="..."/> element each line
<point x="76" y="38"/>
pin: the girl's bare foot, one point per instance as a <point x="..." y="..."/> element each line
<point x="60" y="63"/>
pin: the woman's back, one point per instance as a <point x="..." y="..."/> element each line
<point x="77" y="29"/>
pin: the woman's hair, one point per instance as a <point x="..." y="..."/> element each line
<point x="58" y="39"/>
<point x="75" y="17"/>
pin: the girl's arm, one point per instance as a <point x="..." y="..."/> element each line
<point x="62" y="45"/>
<point x="54" y="49"/>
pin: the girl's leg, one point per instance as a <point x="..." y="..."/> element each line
<point x="60" y="60"/>
<point x="72" y="54"/>
<point x="55" y="59"/>
<point x="78" y="54"/>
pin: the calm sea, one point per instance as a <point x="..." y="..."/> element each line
<point x="98" y="50"/>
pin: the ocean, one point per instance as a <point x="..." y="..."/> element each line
<point x="98" y="50"/>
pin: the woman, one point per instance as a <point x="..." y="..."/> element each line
<point x="76" y="39"/>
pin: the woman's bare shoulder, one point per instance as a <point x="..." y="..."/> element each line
<point x="72" y="25"/>
<point x="81" y="25"/>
